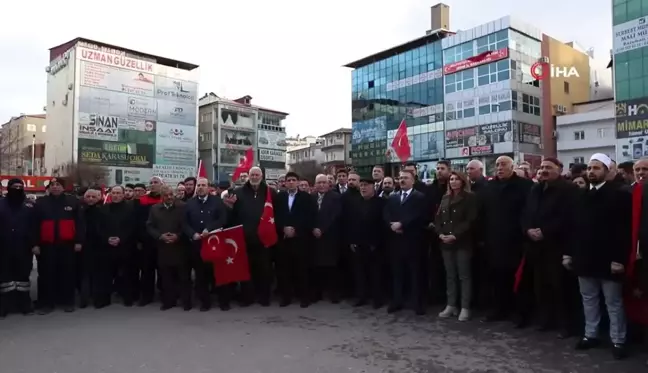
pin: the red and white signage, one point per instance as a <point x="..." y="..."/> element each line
<point x="114" y="60"/>
<point x="481" y="59"/>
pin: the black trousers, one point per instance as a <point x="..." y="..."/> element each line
<point x="112" y="269"/>
<point x="203" y="273"/>
<point x="367" y="270"/>
<point x="406" y="270"/>
<point x="260" y="259"/>
<point x="144" y="267"/>
<point x="502" y="282"/>
<point x="176" y="283"/>
<point x="56" y="275"/>
<point x="84" y="270"/>
<point x="293" y="265"/>
<point x="327" y="281"/>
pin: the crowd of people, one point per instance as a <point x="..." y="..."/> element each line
<point x="539" y="248"/>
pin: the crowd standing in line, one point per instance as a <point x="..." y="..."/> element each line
<point x="556" y="250"/>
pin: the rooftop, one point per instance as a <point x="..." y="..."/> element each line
<point x="339" y="130"/>
<point x="423" y="40"/>
<point x="159" y="60"/>
<point x="244" y="101"/>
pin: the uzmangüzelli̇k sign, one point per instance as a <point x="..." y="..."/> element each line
<point x="632" y="118"/>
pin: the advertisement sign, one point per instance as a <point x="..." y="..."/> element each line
<point x="369" y="153"/>
<point x="138" y="137"/>
<point x="229" y="137"/>
<point x="271" y="155"/>
<point x="495" y="128"/>
<point x="272" y="140"/>
<point x="426" y="170"/>
<point x="630" y="35"/>
<point x="274" y="173"/>
<point x="175" y="156"/>
<point x="481" y="150"/>
<point x="416" y="79"/>
<point x="136" y="125"/>
<point x="115" y="79"/>
<point x="98" y="127"/>
<point x="175" y="90"/>
<point x="173" y="174"/>
<point x="32" y="183"/>
<point x="114" y="60"/>
<point x="128" y="175"/>
<point x="529" y="133"/>
<point x="117" y="104"/>
<point x="176" y="112"/>
<point x="369" y="130"/>
<point x="482" y="135"/>
<point x="632" y="118"/>
<point x="115" y="154"/>
<point x="175" y="136"/>
<point x="481" y="59"/>
<point x="461" y="137"/>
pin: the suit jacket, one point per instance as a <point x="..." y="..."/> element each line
<point x="327" y="220"/>
<point x="168" y="220"/>
<point x="412" y="214"/>
<point x="301" y="216"/>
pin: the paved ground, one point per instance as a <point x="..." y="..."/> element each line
<point x="324" y="338"/>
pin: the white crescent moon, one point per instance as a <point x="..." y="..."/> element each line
<point x="213" y="236"/>
<point x="400" y="139"/>
<point x="268" y="204"/>
<point x="244" y="160"/>
<point x="230" y="241"/>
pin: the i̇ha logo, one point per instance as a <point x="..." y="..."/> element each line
<point x="543" y="70"/>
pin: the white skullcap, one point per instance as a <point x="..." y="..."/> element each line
<point x="607" y="161"/>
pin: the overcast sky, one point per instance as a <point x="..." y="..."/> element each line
<point x="286" y="54"/>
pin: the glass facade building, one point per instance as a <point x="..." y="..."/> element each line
<point x="630" y="62"/>
<point x="404" y="82"/>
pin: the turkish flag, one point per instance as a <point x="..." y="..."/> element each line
<point x="267" y="230"/>
<point x="636" y="308"/>
<point x="480" y="57"/>
<point x="202" y="172"/>
<point x="401" y="143"/>
<point x="227" y="251"/>
<point x="245" y="164"/>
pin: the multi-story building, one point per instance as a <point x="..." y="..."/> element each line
<point x="630" y="53"/>
<point x="228" y="128"/>
<point x="22" y="145"/>
<point x="297" y="142"/>
<point x="129" y="113"/>
<point x="475" y="94"/>
<point x="305" y="153"/>
<point x="588" y="130"/>
<point x="337" y="148"/>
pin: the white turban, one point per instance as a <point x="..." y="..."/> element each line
<point x="607" y="161"/>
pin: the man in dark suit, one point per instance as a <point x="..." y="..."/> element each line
<point x="297" y="209"/>
<point x="407" y="220"/>
<point x="327" y="239"/>
<point x="378" y="174"/>
<point x="204" y="214"/>
<point x="342" y="178"/>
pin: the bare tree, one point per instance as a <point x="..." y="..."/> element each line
<point x="11" y="151"/>
<point x="307" y="170"/>
<point x="81" y="174"/>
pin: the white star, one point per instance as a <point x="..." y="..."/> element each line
<point x="271" y="220"/>
<point x="229" y="261"/>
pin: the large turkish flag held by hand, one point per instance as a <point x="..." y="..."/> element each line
<point x="401" y="144"/>
<point x="227" y="251"/>
<point x="267" y="230"/>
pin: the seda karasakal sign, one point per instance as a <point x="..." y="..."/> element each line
<point x="478" y="60"/>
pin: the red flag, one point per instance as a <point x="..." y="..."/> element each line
<point x="401" y="143"/>
<point x="202" y="172"/>
<point x="519" y="275"/>
<point x="636" y="308"/>
<point x="267" y="230"/>
<point x="104" y="195"/>
<point x="244" y="165"/>
<point x="227" y="251"/>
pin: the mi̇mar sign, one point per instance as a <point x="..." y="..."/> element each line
<point x="632" y="118"/>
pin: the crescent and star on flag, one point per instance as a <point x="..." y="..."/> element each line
<point x="229" y="241"/>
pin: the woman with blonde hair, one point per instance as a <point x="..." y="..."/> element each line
<point x="454" y="224"/>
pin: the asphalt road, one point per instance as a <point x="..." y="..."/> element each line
<point x="322" y="338"/>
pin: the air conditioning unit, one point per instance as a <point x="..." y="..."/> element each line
<point x="554" y="134"/>
<point x="541" y="146"/>
<point x="47" y="69"/>
<point x="543" y="59"/>
<point x="560" y="109"/>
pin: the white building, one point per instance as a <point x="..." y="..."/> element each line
<point x="130" y="112"/>
<point x="311" y="152"/>
<point x="297" y="142"/>
<point x="590" y="129"/>
<point x="337" y="147"/>
<point x="228" y="128"/>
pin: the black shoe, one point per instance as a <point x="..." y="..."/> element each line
<point x="165" y="307"/>
<point x="128" y="303"/>
<point x="335" y="300"/>
<point x="83" y="303"/>
<point x="143" y="303"/>
<point x="360" y="303"/>
<point x="393" y="308"/>
<point x="224" y="307"/>
<point x="564" y="334"/>
<point x="419" y="311"/>
<point x="619" y="351"/>
<point x="495" y="317"/>
<point x="520" y="323"/>
<point x="27" y="310"/>
<point x="304" y="304"/>
<point x="45" y="310"/>
<point x="245" y="303"/>
<point x="544" y="328"/>
<point x="264" y="303"/>
<point x="68" y="309"/>
<point x="377" y="305"/>
<point x="3" y="313"/>
<point x="204" y="307"/>
<point x="285" y="303"/>
<point x="100" y="305"/>
<point x="187" y="307"/>
<point x="587" y="343"/>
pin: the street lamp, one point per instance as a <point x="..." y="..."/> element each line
<point x="33" y="160"/>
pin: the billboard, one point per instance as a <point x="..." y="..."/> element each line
<point x="270" y="155"/>
<point x="479" y="136"/>
<point x="370" y="130"/>
<point x="272" y="140"/>
<point x="136" y="117"/>
<point x="106" y="153"/>
<point x="630" y="35"/>
<point x="111" y="78"/>
<point x="632" y="118"/>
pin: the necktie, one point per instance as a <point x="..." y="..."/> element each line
<point x="403" y="197"/>
<point x="320" y="198"/>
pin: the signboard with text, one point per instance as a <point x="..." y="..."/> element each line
<point x="480" y="59"/>
<point x="115" y="154"/>
<point x="632" y="118"/>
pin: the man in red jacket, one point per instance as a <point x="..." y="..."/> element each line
<point x="60" y="234"/>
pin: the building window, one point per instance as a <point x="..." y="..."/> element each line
<point x="579" y="135"/>
<point x="579" y="160"/>
<point x="31" y="127"/>
<point x="530" y="104"/>
<point x="460" y="81"/>
<point x="492" y="42"/>
<point x="205" y="136"/>
<point x="493" y="72"/>
<point x="566" y="87"/>
<point x="602" y="133"/>
<point x="458" y="52"/>
<point x="44" y="128"/>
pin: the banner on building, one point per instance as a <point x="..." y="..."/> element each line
<point x="529" y="133"/>
<point x="482" y="135"/>
<point x="173" y="174"/>
<point x="271" y="155"/>
<point x="98" y="127"/>
<point x="478" y="60"/>
<point x="632" y="118"/>
<point x="116" y="79"/>
<point x="630" y="35"/>
<point x="272" y="140"/>
<point x="115" y="154"/>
